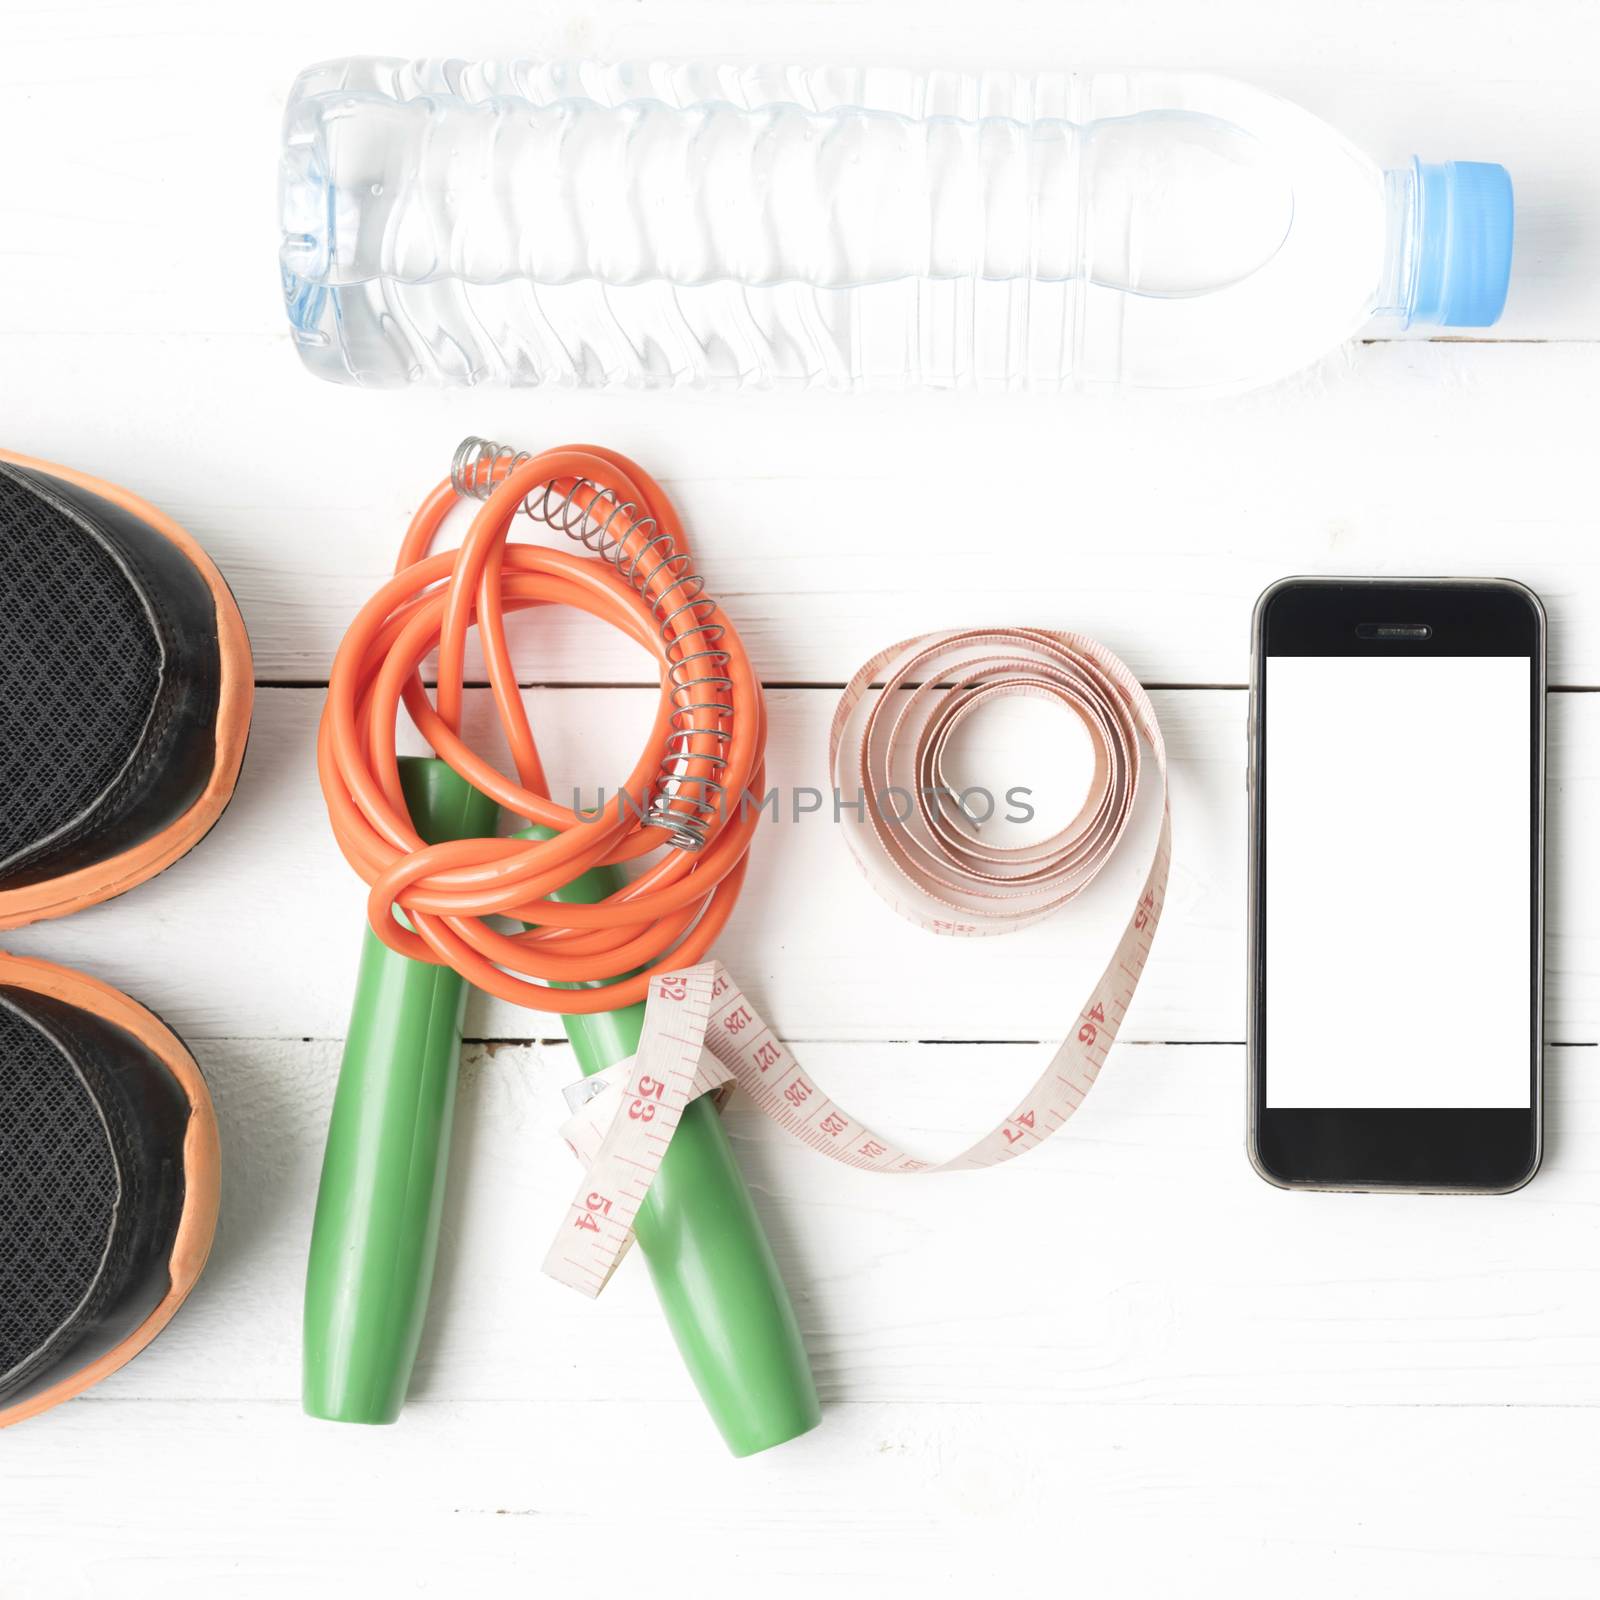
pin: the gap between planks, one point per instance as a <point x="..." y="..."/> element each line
<point x="779" y="685"/>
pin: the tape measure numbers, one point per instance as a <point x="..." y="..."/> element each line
<point x="890" y="737"/>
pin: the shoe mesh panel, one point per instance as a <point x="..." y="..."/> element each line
<point x="80" y="667"/>
<point x="58" y="1191"/>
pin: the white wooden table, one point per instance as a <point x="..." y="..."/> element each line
<point x="1121" y="1367"/>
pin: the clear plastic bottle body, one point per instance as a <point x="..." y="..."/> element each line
<point x="654" y="226"/>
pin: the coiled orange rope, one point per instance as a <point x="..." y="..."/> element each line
<point x="668" y="916"/>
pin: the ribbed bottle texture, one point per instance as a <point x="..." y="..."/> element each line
<point x="659" y="225"/>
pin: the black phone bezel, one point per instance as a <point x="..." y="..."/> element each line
<point x="1485" y="1151"/>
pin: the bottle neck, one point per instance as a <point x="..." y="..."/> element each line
<point x="1402" y="201"/>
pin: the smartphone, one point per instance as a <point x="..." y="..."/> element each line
<point x="1396" y="777"/>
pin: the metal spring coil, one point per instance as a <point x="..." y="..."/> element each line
<point x="682" y="803"/>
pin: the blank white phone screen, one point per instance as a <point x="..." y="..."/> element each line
<point x="1399" y="898"/>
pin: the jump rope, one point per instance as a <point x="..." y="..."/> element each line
<point x="659" y="1031"/>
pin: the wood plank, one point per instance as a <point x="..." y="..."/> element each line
<point x="591" y="1503"/>
<point x="1135" y="1259"/>
<point x="832" y="527"/>
<point x="256" y="934"/>
<point x="1156" y="530"/>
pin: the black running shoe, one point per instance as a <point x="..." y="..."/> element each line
<point x="125" y="695"/>
<point x="125" y="691"/>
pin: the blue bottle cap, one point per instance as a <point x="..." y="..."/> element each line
<point x="1464" y="230"/>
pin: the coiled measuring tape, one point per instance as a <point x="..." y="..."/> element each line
<point x="920" y="848"/>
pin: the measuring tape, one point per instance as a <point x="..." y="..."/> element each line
<point x="918" y="844"/>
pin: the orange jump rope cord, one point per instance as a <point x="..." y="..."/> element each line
<point x="670" y="914"/>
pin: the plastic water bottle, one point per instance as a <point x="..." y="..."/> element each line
<point x="662" y="225"/>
